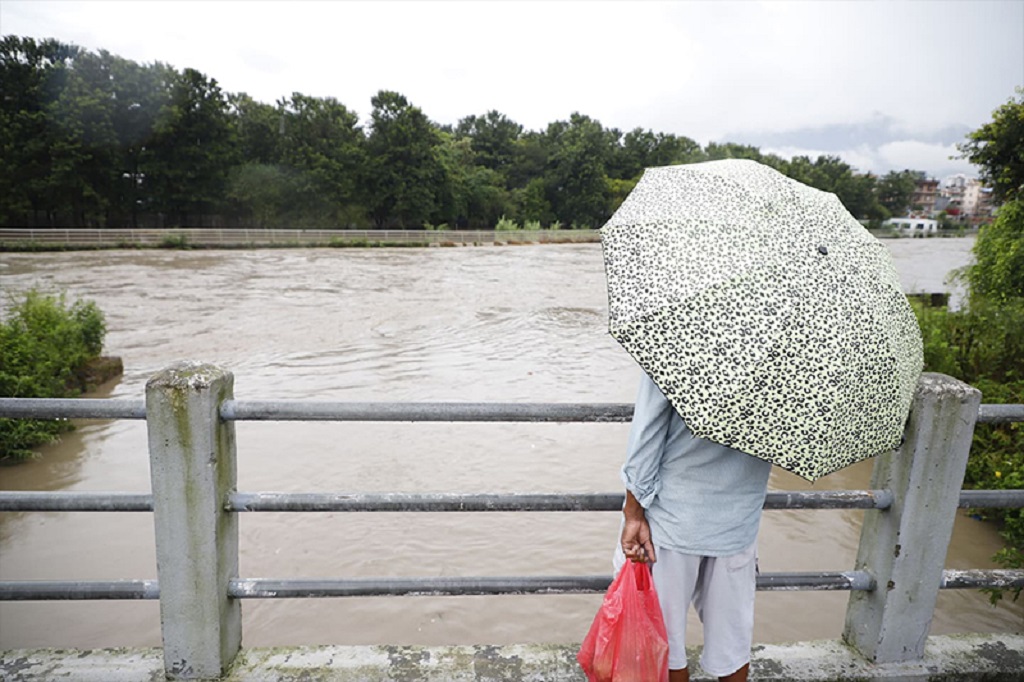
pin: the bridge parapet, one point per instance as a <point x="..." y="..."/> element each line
<point x="190" y="410"/>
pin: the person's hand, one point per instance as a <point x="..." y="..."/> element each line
<point x="636" y="533"/>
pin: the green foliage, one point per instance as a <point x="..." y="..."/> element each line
<point x="91" y="139"/>
<point x="506" y="225"/>
<point x="174" y="241"/>
<point x="997" y="148"/>
<point x="998" y="270"/>
<point x="895" y="190"/>
<point x="983" y="345"/>
<point x="43" y="341"/>
<point x="980" y="343"/>
<point x="404" y="174"/>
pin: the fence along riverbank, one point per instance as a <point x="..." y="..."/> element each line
<point x="14" y="238"/>
<point x="96" y="238"/>
<point x="190" y="413"/>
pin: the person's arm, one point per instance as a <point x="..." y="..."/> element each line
<point x="636" y="532"/>
<point x="641" y="472"/>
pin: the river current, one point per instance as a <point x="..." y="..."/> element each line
<point x="504" y="324"/>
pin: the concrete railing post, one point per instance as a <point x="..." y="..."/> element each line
<point x="192" y="465"/>
<point x="904" y="547"/>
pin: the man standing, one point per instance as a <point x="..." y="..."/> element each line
<point x="692" y="510"/>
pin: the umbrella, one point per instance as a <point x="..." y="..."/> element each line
<point x="771" y="319"/>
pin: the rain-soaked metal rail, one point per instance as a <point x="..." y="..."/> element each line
<point x="255" y="410"/>
<point x="65" y="501"/>
<point x="263" y="588"/>
<point x="234" y="410"/>
<point x="417" y="502"/>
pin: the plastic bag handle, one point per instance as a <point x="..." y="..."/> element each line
<point x="641" y="576"/>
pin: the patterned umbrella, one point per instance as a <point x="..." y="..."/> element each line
<point x="771" y="319"/>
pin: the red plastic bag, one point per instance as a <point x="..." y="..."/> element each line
<point x="627" y="640"/>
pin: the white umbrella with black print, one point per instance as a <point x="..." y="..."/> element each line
<point x="771" y="319"/>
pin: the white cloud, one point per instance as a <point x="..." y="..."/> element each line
<point x="934" y="159"/>
<point x="940" y="160"/>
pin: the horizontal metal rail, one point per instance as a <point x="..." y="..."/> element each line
<point x="264" y="588"/>
<point x="254" y="410"/>
<point x="424" y="412"/>
<point x="71" y="501"/>
<point x="72" y="590"/>
<point x="977" y="578"/>
<point x="71" y="408"/>
<point x="1000" y="414"/>
<point x="991" y="499"/>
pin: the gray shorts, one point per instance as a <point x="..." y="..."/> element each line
<point x="721" y="590"/>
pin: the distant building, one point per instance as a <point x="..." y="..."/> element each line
<point x="965" y="199"/>
<point x="913" y="225"/>
<point x="926" y="191"/>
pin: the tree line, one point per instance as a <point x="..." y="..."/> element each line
<point x="89" y="139"/>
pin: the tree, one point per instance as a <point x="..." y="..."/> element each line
<point x="642" y="149"/>
<point x="997" y="148"/>
<point x="404" y="176"/>
<point x="32" y="74"/>
<point x="259" y="129"/>
<point x="320" y="138"/>
<point x="492" y="136"/>
<point x="192" y="149"/>
<point x="83" y="152"/>
<point x="730" y="150"/>
<point x="474" y="195"/>
<point x="140" y="94"/>
<point x="895" y="190"/>
<point x="998" y="269"/>
<point x="575" y="178"/>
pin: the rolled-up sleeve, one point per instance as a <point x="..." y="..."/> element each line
<point x="651" y="419"/>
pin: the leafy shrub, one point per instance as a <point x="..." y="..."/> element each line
<point x="998" y="270"/>
<point x="506" y="225"/>
<point x="43" y="341"/>
<point x="174" y="241"/>
<point x="984" y="346"/>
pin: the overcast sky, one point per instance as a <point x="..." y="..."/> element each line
<point x="885" y="85"/>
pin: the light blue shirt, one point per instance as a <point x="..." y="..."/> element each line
<point x="700" y="497"/>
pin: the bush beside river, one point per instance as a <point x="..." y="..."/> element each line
<point x="48" y="349"/>
<point x="982" y="344"/>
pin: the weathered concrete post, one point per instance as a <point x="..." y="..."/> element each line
<point x="192" y="465"/>
<point x="904" y="547"/>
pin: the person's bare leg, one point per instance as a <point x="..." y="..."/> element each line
<point x="681" y="675"/>
<point x="738" y="676"/>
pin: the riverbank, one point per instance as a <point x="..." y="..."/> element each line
<point x="959" y="658"/>
<point x="25" y="239"/>
<point x="68" y="239"/>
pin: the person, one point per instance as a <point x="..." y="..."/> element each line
<point x="692" y="510"/>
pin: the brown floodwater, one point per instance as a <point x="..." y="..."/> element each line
<point x="509" y="324"/>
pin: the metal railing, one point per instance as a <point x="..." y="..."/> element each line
<point x="190" y="412"/>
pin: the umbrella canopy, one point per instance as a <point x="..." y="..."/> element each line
<point x="771" y="319"/>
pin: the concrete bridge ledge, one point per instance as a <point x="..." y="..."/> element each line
<point x="947" y="658"/>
